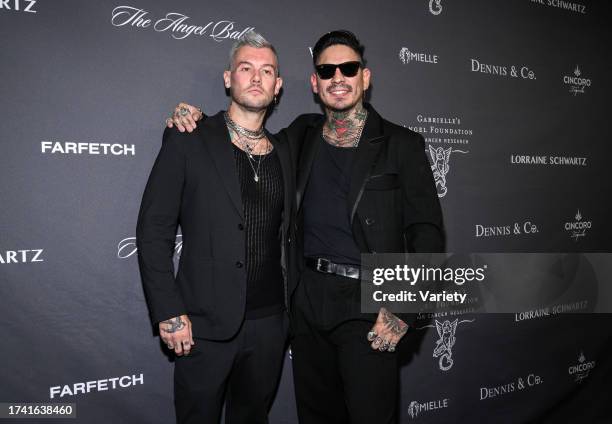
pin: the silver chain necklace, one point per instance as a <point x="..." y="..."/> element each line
<point x="248" y="151"/>
<point x="245" y="132"/>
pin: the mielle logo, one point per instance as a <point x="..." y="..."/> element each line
<point x="18" y="5"/>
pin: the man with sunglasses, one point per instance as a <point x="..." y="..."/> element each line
<point x="364" y="185"/>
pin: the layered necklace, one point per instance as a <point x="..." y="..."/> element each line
<point x="248" y="141"/>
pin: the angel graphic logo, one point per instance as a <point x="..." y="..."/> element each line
<point x="444" y="345"/>
<point x="435" y="7"/>
<point x="440" y="165"/>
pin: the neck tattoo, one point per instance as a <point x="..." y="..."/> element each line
<point x="343" y="129"/>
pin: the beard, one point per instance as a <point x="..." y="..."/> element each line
<point x="248" y="102"/>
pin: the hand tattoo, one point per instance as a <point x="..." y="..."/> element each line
<point x="393" y="323"/>
<point x="174" y="324"/>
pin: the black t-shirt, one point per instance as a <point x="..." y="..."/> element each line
<point x="327" y="230"/>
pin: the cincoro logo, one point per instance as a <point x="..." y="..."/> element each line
<point x="576" y="83"/>
<point x="577" y="228"/>
<point x="577" y="225"/>
<point x="582" y="369"/>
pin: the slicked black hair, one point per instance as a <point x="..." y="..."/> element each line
<point x="343" y="37"/>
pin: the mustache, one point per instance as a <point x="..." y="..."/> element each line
<point x="343" y="86"/>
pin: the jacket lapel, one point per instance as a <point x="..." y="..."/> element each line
<point x="309" y="151"/>
<point x="368" y="150"/>
<point x="216" y="138"/>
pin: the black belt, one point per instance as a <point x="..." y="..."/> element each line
<point x="328" y="267"/>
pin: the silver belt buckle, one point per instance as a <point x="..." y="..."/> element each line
<point x="320" y="262"/>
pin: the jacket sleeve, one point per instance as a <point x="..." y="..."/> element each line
<point x="423" y="223"/>
<point x="158" y="220"/>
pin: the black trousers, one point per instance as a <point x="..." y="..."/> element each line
<point x="338" y="377"/>
<point x="243" y="371"/>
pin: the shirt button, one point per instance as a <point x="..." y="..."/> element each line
<point x="239" y="264"/>
<point x="369" y="221"/>
<point x="240" y="227"/>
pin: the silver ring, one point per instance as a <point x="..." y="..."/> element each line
<point x="371" y="335"/>
<point x="391" y="347"/>
<point x="170" y="346"/>
<point x="384" y="346"/>
<point x="183" y="111"/>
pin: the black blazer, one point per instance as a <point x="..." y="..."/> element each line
<point x="392" y="202"/>
<point x="194" y="184"/>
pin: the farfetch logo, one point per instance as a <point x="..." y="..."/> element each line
<point x="127" y="247"/>
<point x="576" y="82"/>
<point x="582" y="369"/>
<point x="435" y="7"/>
<point x="74" y="148"/>
<point x="415" y="407"/>
<point x="577" y="228"/>
<point x="406" y="56"/>
<point x="444" y="345"/>
<point x="95" y="386"/>
<point x="176" y="24"/>
<point x="21" y="256"/>
<point x="18" y="5"/>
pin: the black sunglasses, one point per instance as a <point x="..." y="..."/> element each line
<point x="327" y="70"/>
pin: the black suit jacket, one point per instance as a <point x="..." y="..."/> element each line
<point x="194" y="184"/>
<point x="392" y="202"/>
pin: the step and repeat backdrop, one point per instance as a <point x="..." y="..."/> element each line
<point x="511" y="97"/>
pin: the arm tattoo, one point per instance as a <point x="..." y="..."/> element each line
<point x="174" y="324"/>
<point x="393" y="323"/>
